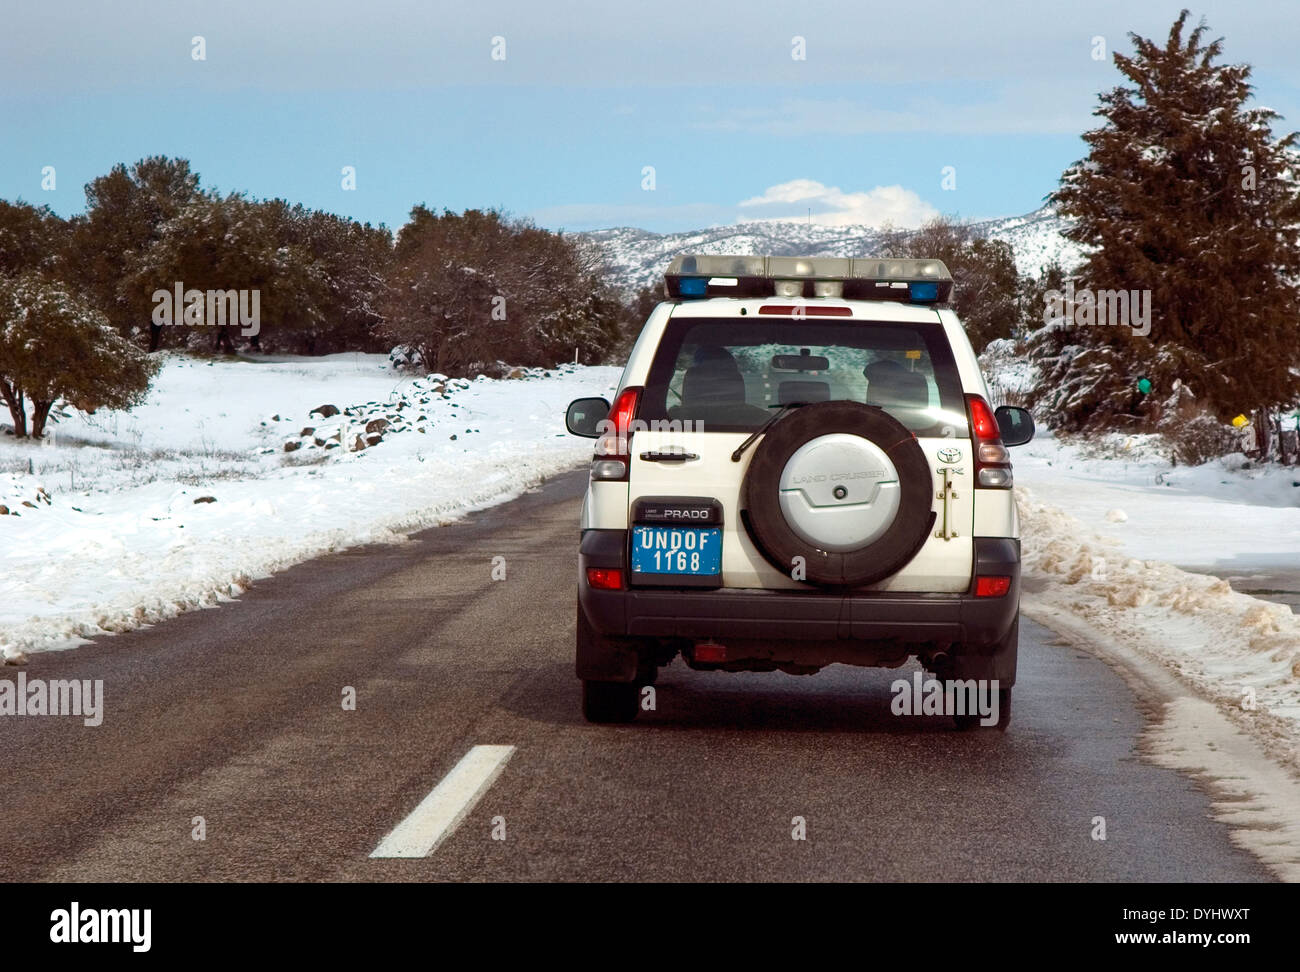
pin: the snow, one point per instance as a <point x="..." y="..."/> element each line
<point x="1255" y="797"/>
<point x="122" y="542"/>
<point x="636" y="258"/>
<point x="1103" y="540"/>
<point x="1217" y="517"/>
<point x="1036" y="240"/>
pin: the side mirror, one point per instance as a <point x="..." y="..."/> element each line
<point x="1015" y="425"/>
<point x="585" y="415"/>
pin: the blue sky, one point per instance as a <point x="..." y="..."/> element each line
<point x="587" y="95"/>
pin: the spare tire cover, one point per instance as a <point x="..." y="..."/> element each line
<point x="843" y="485"/>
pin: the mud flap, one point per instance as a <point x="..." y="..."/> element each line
<point x="999" y="664"/>
<point x="601" y="659"/>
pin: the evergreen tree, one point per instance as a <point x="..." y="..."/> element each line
<point x="220" y="243"/>
<point x="1186" y="194"/>
<point x="31" y="238"/>
<point x="468" y="290"/>
<point x="985" y="281"/>
<point x="125" y="212"/>
<point x="55" y="346"/>
<point x="1032" y="296"/>
<point x="318" y="276"/>
<point x="349" y="259"/>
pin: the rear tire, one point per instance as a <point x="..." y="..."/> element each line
<point x="610" y="702"/>
<point x="968" y="722"/>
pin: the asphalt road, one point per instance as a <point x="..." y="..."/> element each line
<point x="234" y="714"/>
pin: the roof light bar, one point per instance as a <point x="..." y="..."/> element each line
<point x="693" y="275"/>
<point x="834" y="268"/>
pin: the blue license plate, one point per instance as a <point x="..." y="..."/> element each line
<point x="676" y="550"/>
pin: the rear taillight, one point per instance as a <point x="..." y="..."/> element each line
<point x="613" y="448"/>
<point x="992" y="586"/>
<point x="605" y="578"/>
<point x="992" y="463"/>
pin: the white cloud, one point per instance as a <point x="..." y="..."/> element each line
<point x="831" y="206"/>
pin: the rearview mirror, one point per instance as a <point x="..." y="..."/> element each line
<point x="1015" y="425"/>
<point x="800" y="362"/>
<point x="585" y="415"/>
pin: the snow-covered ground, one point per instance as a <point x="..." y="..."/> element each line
<point x="120" y="531"/>
<point x="1229" y="517"/>
<point x="1106" y="543"/>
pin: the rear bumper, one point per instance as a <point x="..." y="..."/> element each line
<point x="781" y="616"/>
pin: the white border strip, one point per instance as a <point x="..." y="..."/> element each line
<point x="450" y="802"/>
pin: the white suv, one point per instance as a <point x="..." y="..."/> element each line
<point x="800" y="467"/>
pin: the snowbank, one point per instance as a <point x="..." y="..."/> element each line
<point x="1237" y="520"/>
<point x="1236" y="651"/>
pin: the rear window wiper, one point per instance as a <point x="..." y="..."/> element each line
<point x="753" y="436"/>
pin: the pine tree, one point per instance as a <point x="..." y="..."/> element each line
<point x="1187" y="194"/>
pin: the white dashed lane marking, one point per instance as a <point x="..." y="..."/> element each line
<point x="441" y="812"/>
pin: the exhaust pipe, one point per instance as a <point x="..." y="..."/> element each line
<point x="938" y="660"/>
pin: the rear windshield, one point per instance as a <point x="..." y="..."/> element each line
<point x="732" y="375"/>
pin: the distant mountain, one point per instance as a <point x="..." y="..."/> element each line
<point x="638" y="258"/>
<point x="1036" y="239"/>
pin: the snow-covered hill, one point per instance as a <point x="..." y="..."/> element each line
<point x="637" y="257"/>
<point x="1036" y="239"/>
